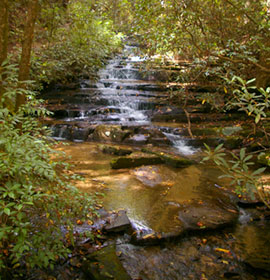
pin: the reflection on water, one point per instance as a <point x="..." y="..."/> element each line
<point x="152" y="196"/>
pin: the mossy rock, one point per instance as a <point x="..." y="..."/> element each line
<point x="176" y="161"/>
<point x="233" y="142"/>
<point x="231" y="130"/>
<point x="135" y="160"/>
<point x="104" y="265"/>
<point x="109" y="133"/>
<point x="171" y="160"/>
<point x="115" y="150"/>
<point x="264" y="159"/>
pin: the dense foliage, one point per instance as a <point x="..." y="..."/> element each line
<point x="38" y="202"/>
<point x="225" y="42"/>
<point x="75" y="42"/>
<point x="233" y="34"/>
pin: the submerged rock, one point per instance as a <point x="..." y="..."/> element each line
<point x="174" y="217"/>
<point x="207" y="214"/>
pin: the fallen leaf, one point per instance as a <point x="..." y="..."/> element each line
<point x="222" y="250"/>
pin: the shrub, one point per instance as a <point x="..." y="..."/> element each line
<point x="38" y="203"/>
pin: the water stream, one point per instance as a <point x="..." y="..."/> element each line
<point x="159" y="198"/>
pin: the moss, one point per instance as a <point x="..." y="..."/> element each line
<point x="233" y="142"/>
<point x="115" y="150"/>
<point x="105" y="265"/>
<point x="264" y="159"/>
<point x="171" y="160"/>
<point x="135" y="160"/>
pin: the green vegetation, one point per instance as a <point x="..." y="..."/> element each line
<point x="77" y="48"/>
<point x="36" y="189"/>
<point x="39" y="206"/>
<point x="224" y="42"/>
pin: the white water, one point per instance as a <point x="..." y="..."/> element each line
<point x="129" y="110"/>
<point x="180" y="144"/>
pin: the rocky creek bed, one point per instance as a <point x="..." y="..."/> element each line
<point x="164" y="215"/>
<point x="162" y="222"/>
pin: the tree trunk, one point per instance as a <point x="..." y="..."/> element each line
<point x="3" y="38"/>
<point x="263" y="77"/>
<point x="28" y="36"/>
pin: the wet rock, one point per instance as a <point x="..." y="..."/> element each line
<point x="148" y="175"/>
<point x="207" y="214"/>
<point x="171" y="160"/>
<point x="137" y="139"/>
<point x="147" y="238"/>
<point x="253" y="244"/>
<point x="247" y="202"/>
<point x="115" y="150"/>
<point x="118" y="222"/>
<point x="147" y="135"/>
<point x="201" y="131"/>
<point x="104" y="265"/>
<point x="109" y="133"/>
<point x="264" y="159"/>
<point x="134" y="160"/>
<point x="70" y="86"/>
<point x="231" y="275"/>
<point x="62" y="131"/>
<point x="210" y="141"/>
<point x="230" y="130"/>
<point x="79" y="133"/>
<point x="233" y="142"/>
<point x="176" y="161"/>
<point x="166" y="118"/>
<point x="174" y="219"/>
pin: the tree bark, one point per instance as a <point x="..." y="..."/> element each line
<point x="28" y="37"/>
<point x="3" y="38"/>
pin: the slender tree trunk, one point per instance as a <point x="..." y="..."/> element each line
<point x="3" y="38"/>
<point x="28" y="37"/>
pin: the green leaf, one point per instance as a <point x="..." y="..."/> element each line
<point x="7" y="211"/>
<point x="259" y="171"/>
<point x="242" y="153"/>
<point x="257" y="119"/>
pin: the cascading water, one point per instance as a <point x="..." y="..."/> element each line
<point x="122" y="101"/>
<point x="180" y="144"/>
<point x="125" y="94"/>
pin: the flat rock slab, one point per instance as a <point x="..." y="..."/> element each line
<point x="176" y="219"/>
<point x="207" y="214"/>
<point x="135" y="160"/>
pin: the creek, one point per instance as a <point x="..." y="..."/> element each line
<point x="185" y="224"/>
